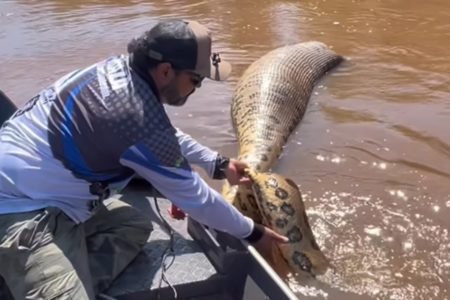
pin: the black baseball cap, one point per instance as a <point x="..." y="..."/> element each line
<point x="187" y="46"/>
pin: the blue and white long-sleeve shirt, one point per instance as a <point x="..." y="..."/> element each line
<point x="104" y="123"/>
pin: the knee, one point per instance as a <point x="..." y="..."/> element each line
<point x="129" y="221"/>
<point x="139" y="226"/>
<point x="143" y="225"/>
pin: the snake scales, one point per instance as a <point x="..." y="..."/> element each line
<point x="270" y="100"/>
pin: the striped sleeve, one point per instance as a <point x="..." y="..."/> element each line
<point x="186" y="189"/>
<point x="196" y="153"/>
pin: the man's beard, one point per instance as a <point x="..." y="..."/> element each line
<point x="171" y="96"/>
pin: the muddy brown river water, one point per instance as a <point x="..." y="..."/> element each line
<point x="372" y="153"/>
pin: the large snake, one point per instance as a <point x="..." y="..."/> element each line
<point x="270" y="100"/>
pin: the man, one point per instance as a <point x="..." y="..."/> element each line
<point x="83" y="138"/>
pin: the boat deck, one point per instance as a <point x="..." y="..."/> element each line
<point x="190" y="264"/>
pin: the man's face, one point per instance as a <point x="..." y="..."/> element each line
<point x="177" y="91"/>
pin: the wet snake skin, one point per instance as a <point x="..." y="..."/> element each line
<point x="270" y="100"/>
<point x="281" y="206"/>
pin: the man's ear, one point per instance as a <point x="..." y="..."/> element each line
<point x="164" y="73"/>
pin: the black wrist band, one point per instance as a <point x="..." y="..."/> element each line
<point x="222" y="163"/>
<point x="256" y="235"/>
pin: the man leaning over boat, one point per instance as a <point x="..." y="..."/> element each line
<point x="84" y="137"/>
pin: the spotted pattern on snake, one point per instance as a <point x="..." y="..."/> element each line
<point x="287" y="215"/>
<point x="269" y="101"/>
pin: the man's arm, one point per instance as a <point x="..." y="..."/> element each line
<point x="197" y="154"/>
<point x="186" y="189"/>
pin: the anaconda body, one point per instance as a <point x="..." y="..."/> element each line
<point x="270" y="100"/>
<point x="281" y="205"/>
<point x="272" y="96"/>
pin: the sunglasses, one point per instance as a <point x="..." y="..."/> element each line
<point x="195" y="79"/>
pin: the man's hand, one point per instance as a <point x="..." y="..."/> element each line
<point x="235" y="173"/>
<point x="266" y="243"/>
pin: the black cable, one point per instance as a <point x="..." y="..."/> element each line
<point x="168" y="252"/>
